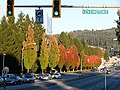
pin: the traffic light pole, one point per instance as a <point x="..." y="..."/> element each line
<point x="69" y="6"/>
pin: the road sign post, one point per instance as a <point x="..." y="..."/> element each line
<point x="39" y="16"/>
<point x="4" y="83"/>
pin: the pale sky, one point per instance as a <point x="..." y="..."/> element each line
<point x="71" y="18"/>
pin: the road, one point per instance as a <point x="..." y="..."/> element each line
<point x="90" y="83"/>
<point x="95" y="82"/>
<point x="32" y="86"/>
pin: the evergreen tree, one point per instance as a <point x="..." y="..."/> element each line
<point x="66" y="40"/>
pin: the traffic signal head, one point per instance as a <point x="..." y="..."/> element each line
<point x="10" y="8"/>
<point x="56" y="9"/>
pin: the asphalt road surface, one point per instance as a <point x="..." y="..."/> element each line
<point x="96" y="82"/>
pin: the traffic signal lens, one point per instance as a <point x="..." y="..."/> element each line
<point x="56" y="13"/>
<point x="9" y="12"/>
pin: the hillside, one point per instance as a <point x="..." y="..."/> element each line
<point x="102" y="38"/>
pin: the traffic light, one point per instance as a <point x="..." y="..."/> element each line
<point x="56" y="9"/>
<point x="10" y="8"/>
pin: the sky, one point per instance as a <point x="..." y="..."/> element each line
<point x="72" y="19"/>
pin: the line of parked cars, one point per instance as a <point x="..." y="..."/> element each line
<point x="12" y="79"/>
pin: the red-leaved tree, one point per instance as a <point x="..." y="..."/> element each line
<point x="69" y="58"/>
<point x="74" y="50"/>
<point x="62" y="59"/>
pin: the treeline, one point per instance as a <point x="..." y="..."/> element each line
<point x="101" y="38"/>
<point x="63" y="53"/>
<point x="12" y="35"/>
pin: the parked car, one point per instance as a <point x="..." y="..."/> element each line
<point x="19" y="80"/>
<point x="56" y="75"/>
<point x="46" y="77"/>
<point x="13" y="80"/>
<point x="28" y="77"/>
<point x="1" y="80"/>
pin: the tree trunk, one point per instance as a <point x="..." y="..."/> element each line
<point x="81" y="65"/>
<point x="27" y="70"/>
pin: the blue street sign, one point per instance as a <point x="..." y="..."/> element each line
<point x="39" y="16"/>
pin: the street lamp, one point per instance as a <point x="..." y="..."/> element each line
<point x="3" y="59"/>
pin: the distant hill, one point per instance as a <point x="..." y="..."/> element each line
<point x="102" y="38"/>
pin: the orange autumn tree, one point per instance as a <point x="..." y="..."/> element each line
<point x="74" y="50"/>
<point x="62" y="59"/>
<point x="69" y="58"/>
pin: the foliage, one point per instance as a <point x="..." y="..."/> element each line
<point x="76" y="57"/>
<point x="54" y="53"/>
<point x="44" y="53"/>
<point x="78" y="44"/>
<point x="92" y="61"/>
<point x="106" y="55"/>
<point x="69" y="58"/>
<point x="29" y="49"/>
<point x="101" y="38"/>
<point x="66" y="40"/>
<point x="62" y="59"/>
<point x="34" y="67"/>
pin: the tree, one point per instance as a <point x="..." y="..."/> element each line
<point x="76" y="57"/>
<point x="69" y="58"/>
<point x="62" y="59"/>
<point x="82" y="62"/>
<point x="66" y="40"/>
<point x="44" y="53"/>
<point x="106" y="55"/>
<point x="34" y="67"/>
<point x="29" y="49"/>
<point x="78" y="62"/>
<point x="78" y="44"/>
<point x="54" y="53"/>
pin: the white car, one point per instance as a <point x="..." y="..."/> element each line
<point x="46" y="77"/>
<point x="56" y="75"/>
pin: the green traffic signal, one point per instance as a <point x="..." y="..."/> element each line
<point x="56" y="9"/>
<point x="10" y="8"/>
<point x="9" y="12"/>
<point x="56" y="13"/>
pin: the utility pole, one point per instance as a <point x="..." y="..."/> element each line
<point x="3" y="60"/>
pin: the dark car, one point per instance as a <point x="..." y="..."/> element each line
<point x="28" y="77"/>
<point x="13" y="80"/>
<point x="19" y="80"/>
